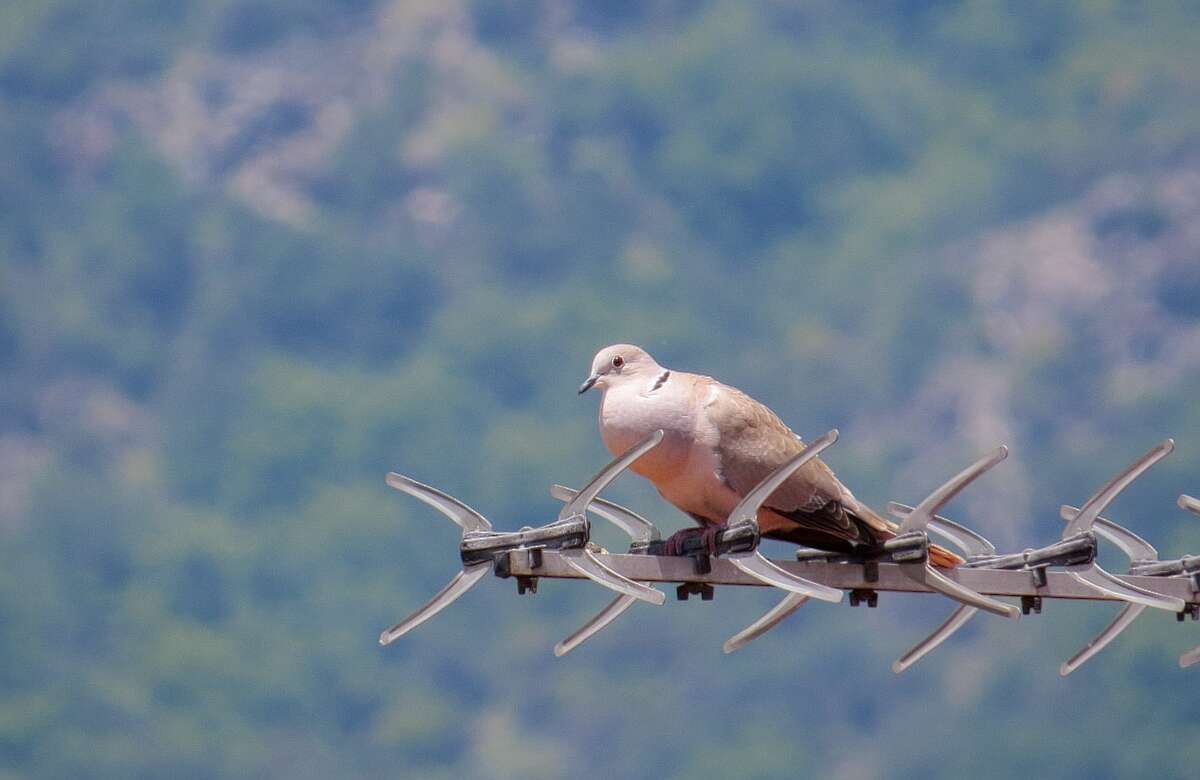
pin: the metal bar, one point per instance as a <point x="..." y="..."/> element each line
<point x="848" y="576"/>
<point x="1077" y="550"/>
<point x="1185" y="565"/>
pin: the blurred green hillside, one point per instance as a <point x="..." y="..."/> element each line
<point x="255" y="254"/>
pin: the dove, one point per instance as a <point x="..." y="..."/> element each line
<point x="718" y="444"/>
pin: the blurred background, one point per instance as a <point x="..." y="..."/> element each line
<point x="256" y="253"/>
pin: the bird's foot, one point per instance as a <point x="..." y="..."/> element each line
<point x="674" y="544"/>
<point x="679" y="543"/>
<point x="709" y="538"/>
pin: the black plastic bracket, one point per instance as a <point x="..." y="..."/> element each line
<point x="864" y="595"/>
<point x="686" y="589"/>
<point x="502" y="565"/>
<point x="1032" y="604"/>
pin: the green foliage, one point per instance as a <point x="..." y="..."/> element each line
<point x="197" y="549"/>
<point x="242" y="25"/>
<point x="54" y="50"/>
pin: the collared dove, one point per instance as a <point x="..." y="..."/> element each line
<point x="719" y="444"/>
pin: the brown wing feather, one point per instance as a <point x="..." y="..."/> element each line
<point x="753" y="442"/>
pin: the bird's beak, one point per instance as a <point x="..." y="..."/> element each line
<point x="587" y="385"/>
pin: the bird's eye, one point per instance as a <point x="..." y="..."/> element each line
<point x="618" y="361"/>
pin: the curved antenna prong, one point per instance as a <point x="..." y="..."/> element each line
<point x="919" y="518"/>
<point x="1191" y="657"/>
<point x="639" y="528"/>
<point x="1134" y="546"/>
<point x="970" y="542"/>
<point x="1136" y="549"/>
<point x="578" y="504"/>
<point x="586" y="563"/>
<point x="770" y="619"/>
<point x="929" y="575"/>
<point x="1092" y="574"/>
<point x="1099" y="579"/>
<point x="1124" y="618"/>
<point x="464" y="516"/>
<point x="460" y="584"/>
<point x="958" y="618"/>
<point x="754" y="564"/>
<point x="1104" y="496"/>
<point x="601" y="619"/>
<point x="747" y="508"/>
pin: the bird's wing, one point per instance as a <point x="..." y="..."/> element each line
<point x="752" y="442"/>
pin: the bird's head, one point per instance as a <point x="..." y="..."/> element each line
<point x="619" y="363"/>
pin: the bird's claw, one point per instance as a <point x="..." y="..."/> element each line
<point x="675" y="544"/>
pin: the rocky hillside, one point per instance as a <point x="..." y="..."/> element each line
<point x="255" y="254"/>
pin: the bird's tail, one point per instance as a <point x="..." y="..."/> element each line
<point x="942" y="558"/>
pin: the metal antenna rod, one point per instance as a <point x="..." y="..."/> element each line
<point x="888" y="577"/>
<point x="1065" y="569"/>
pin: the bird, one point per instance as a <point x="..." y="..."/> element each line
<point x="719" y="443"/>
